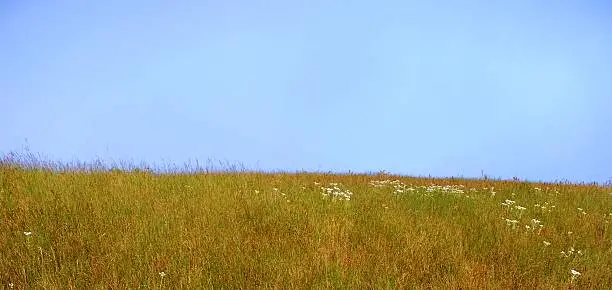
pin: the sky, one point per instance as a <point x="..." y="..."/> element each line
<point x="443" y="88"/>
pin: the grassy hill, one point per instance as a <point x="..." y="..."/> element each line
<point x="137" y="229"/>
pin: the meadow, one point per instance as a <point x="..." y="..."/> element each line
<point x="88" y="228"/>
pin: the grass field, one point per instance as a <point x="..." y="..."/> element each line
<point x="137" y="229"/>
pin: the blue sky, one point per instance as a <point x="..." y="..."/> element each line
<point x="441" y="88"/>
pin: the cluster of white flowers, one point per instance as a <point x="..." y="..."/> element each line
<point x="518" y="211"/>
<point x="514" y="210"/>
<point x="400" y="187"/>
<point x="535" y="225"/>
<point x="575" y="274"/>
<point x="336" y="192"/>
<point x="384" y="183"/>
<point x="511" y="204"/>
<point x="508" y="202"/>
<point x="456" y="189"/>
<point x="570" y="252"/>
<point x="544" y="207"/>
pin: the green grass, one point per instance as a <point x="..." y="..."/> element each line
<point x="118" y="229"/>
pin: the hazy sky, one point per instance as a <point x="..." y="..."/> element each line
<point x="447" y="88"/>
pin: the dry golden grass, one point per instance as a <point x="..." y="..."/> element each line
<point x="116" y="229"/>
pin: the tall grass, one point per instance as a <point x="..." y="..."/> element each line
<point x="103" y="228"/>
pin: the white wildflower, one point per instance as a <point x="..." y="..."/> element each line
<point x="512" y="223"/>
